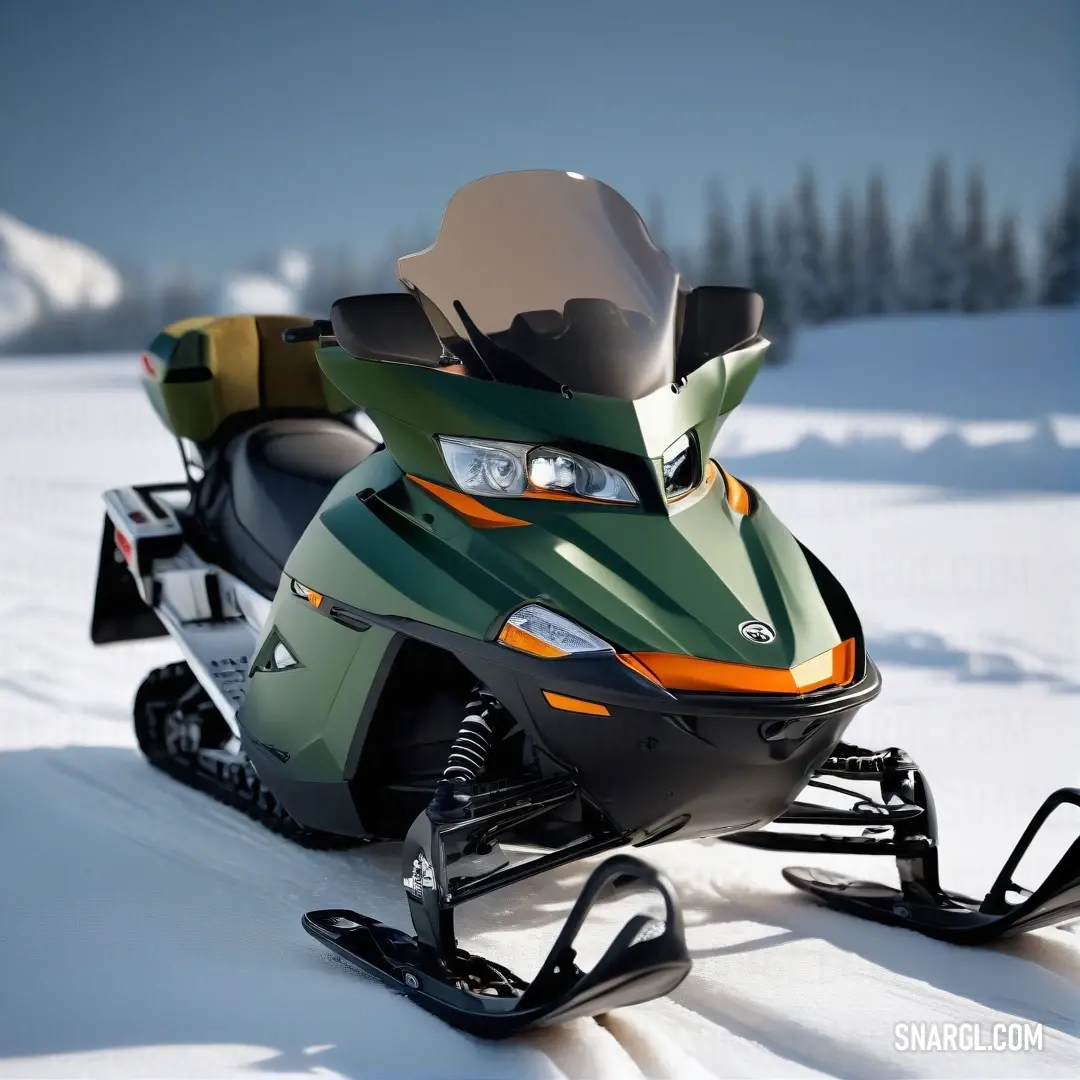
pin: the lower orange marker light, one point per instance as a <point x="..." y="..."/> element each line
<point x="572" y="704"/>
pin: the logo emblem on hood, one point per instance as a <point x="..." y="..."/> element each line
<point x="758" y="632"/>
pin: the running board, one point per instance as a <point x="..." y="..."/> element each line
<point x="219" y="655"/>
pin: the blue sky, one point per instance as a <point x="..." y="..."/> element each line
<point x="201" y="134"/>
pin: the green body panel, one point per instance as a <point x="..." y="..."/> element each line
<point x="185" y="408"/>
<point x="645" y="582"/>
<point x="311" y="711"/>
<point x="678" y="581"/>
<point x="411" y="403"/>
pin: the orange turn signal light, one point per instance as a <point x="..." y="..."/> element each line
<point x="525" y="642"/>
<point x="573" y="704"/>
<point x="310" y="595"/>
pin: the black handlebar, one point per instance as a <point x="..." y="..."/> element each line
<point x="320" y="328"/>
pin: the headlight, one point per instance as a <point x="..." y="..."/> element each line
<point x="486" y="468"/>
<point x="680" y="467"/>
<point x="533" y="629"/>
<point x="559" y="472"/>
<point x="500" y="470"/>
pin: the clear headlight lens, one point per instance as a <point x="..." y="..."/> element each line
<point x="486" y="468"/>
<point x="534" y="629"/>
<point x="498" y="469"/>
<point x="283" y="659"/>
<point x="680" y="467"/>
<point x="559" y="472"/>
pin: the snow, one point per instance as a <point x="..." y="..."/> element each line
<point x="294" y="267"/>
<point x="1005" y="365"/>
<point x="147" y="931"/>
<point x="276" y="293"/>
<point x="966" y="404"/>
<point x="256" y="293"/>
<point x="41" y="272"/>
<point x="18" y="306"/>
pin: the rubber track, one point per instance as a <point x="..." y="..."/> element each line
<point x="233" y="782"/>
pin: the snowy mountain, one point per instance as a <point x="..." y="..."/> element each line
<point x="40" y="272"/>
<point x="43" y="275"/>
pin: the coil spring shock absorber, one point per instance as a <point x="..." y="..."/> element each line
<point x="484" y="725"/>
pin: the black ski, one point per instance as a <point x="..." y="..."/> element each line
<point x="950" y="916"/>
<point x="903" y="824"/>
<point x="646" y="960"/>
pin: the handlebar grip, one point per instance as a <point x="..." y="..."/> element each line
<point x="318" y="329"/>
<point x="294" y="335"/>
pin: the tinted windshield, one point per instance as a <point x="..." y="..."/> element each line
<point x="552" y="278"/>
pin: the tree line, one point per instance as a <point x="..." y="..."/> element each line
<point x="814" y="268"/>
<point x="811" y="266"/>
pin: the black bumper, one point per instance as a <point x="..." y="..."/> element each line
<point x="686" y="764"/>
<point x="662" y="764"/>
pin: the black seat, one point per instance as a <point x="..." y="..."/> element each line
<point x="266" y="487"/>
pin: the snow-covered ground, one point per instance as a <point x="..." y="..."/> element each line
<point x="148" y="931"/>
<point x="987" y="404"/>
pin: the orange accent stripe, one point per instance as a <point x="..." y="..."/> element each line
<point x="472" y="510"/>
<point x="737" y="496"/>
<point x="525" y="642"/>
<point x="635" y="665"/>
<point x="678" y="672"/>
<point x="844" y="662"/>
<point x="573" y="704"/>
<point x="564" y="496"/>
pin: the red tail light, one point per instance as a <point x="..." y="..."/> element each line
<point x="124" y="545"/>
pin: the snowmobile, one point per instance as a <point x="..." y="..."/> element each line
<point x="454" y="567"/>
